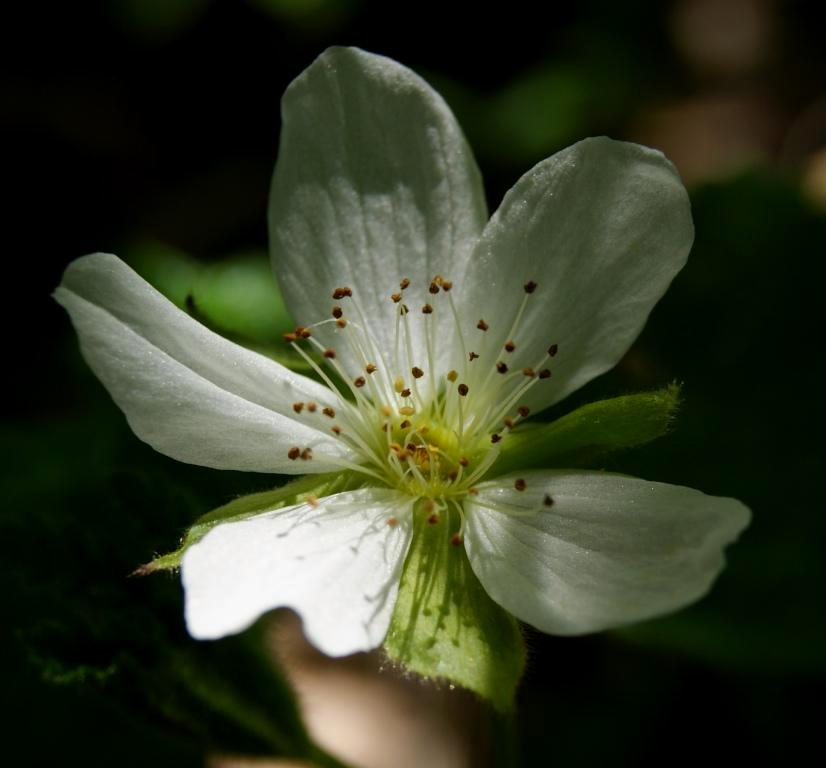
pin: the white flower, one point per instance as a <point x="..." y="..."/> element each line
<point x="444" y="331"/>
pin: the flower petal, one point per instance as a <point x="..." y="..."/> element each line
<point x="374" y="183"/>
<point x="610" y="550"/>
<point x="337" y="564"/>
<point x="185" y="390"/>
<point x="601" y="228"/>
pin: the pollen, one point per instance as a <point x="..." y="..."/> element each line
<point x="370" y="368"/>
<point x="311" y="407"/>
<point x="520" y="484"/>
<point x="452" y="376"/>
<point x="298" y="407"/>
<point x="327" y="411"/>
<point x="392" y="521"/>
<point x="502" y="367"/>
<point x="294" y="453"/>
<point x="404" y="283"/>
<point x="523" y="411"/>
<point x="553" y="349"/>
<point x="397" y="297"/>
<point x="337" y="312"/>
<point x="427" y="309"/>
<point x="341" y="322"/>
<point x="343" y="292"/>
<point x="433" y="287"/>
<point x="482" y="325"/>
<point x="398" y="384"/>
<point x="548" y="501"/>
<point x="359" y="381"/>
<point x="529" y="372"/>
<point x="462" y="389"/>
<point x="306" y="454"/>
<point x="545" y="374"/>
<point x="510" y="346"/>
<point x="405" y="393"/>
<point x="473" y="356"/>
<point x="330" y="354"/>
<point x="456" y="540"/>
<point x="417" y="372"/>
<point x="289" y="337"/>
<point x="530" y="286"/>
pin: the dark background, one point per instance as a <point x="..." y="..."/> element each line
<point x="150" y="129"/>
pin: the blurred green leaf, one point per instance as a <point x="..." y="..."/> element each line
<point x="445" y="625"/>
<point x="591" y="431"/>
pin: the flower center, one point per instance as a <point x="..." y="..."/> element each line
<point x="418" y="423"/>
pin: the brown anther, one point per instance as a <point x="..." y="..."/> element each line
<point x="453" y="474"/>
<point x="403" y="309"/>
<point x="424" y="429"/>
<point x="330" y="354"/>
<point x="298" y="407"/>
<point x="530" y="286"/>
<point x="523" y="411"/>
<point x="495" y="438"/>
<point x="508" y="422"/>
<point x="405" y="425"/>
<point x="336" y="428"/>
<point x="412" y="447"/>
<point x="462" y="389"/>
<point x="520" y="484"/>
<point x="404" y="454"/>
<point x="433" y="519"/>
<point x="446" y="285"/>
<point x="340" y="293"/>
<point x="482" y="325"/>
<point x="407" y="410"/>
<point x="304" y="333"/>
<point x="404" y="283"/>
<point x="433" y="287"/>
<point x="456" y="540"/>
<point x="545" y="374"/>
<point x="359" y="381"/>
<point x="548" y="501"/>
<point x="509" y="346"/>
<point x="385" y="427"/>
<point x="427" y="309"/>
<point x="473" y="356"/>
<point x="337" y="312"/>
<point x="405" y="392"/>
<point x="370" y="367"/>
<point x="473" y="491"/>
<point x="529" y="372"/>
<point x="392" y="521"/>
<point x="463" y="460"/>
<point x="395" y="447"/>
<point x="312" y="501"/>
<point x="417" y="372"/>
<point x="293" y="453"/>
<point x="311" y="407"/>
<point x="553" y="349"/>
<point x="397" y="297"/>
<point x="452" y="376"/>
<point x="327" y="411"/>
<point x="306" y="454"/>
<point x="289" y="337"/>
<point x="428" y="505"/>
<point x="501" y="367"/>
<point x="341" y="322"/>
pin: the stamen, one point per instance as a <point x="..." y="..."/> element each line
<point x="327" y="411"/>
<point x="501" y="367"/>
<point x="530" y="286"/>
<point x="523" y="411"/>
<point x="548" y="501"/>
<point x="544" y="374"/>
<point x="359" y="381"/>
<point x="417" y="372"/>
<point x="298" y="407"/>
<point x="509" y="346"/>
<point x="340" y="293"/>
<point x="427" y="309"/>
<point x="462" y="389"/>
<point x="306" y="454"/>
<point x="482" y="325"/>
<point x="370" y="368"/>
<point x="472" y="356"/>
<point x="452" y="376"/>
<point x="311" y="407"/>
<point x="341" y="322"/>
<point x="553" y="349"/>
<point x="404" y="283"/>
<point x="329" y="354"/>
<point x="337" y="312"/>
<point x="520" y="484"/>
<point x="294" y="453"/>
<point x="397" y="297"/>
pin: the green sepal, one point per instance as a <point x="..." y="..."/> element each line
<point x="589" y="432"/>
<point x="445" y="626"/>
<point x="293" y="492"/>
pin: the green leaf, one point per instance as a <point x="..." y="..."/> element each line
<point x="445" y="625"/>
<point x="293" y="492"/>
<point x="591" y="431"/>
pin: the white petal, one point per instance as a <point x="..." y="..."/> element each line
<point x="374" y="183"/>
<point x="337" y="565"/>
<point x="609" y="551"/>
<point x="186" y="391"/>
<point x="602" y="228"/>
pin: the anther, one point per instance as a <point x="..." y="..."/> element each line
<point x="327" y="411"/>
<point x="341" y="322"/>
<point x="463" y="460"/>
<point x="508" y="422"/>
<point x="427" y="309"/>
<point x="530" y="286"/>
<point x="482" y="325"/>
<point x="473" y="491"/>
<point x="472" y="356"/>
<point x="387" y="410"/>
<point x="509" y="346"/>
<point x="312" y="501"/>
<point x="433" y="287"/>
<point x="520" y="484"/>
<point x="398" y="384"/>
<point x="293" y="453"/>
<point x="407" y="410"/>
<point x="456" y="540"/>
<point x="495" y="438"/>
<point x="337" y="312"/>
<point x="417" y="372"/>
<point x="359" y="381"/>
<point x="405" y="392"/>
<point x="433" y="519"/>
<point x="340" y="293"/>
<point x="529" y="372"/>
<point x="501" y="367"/>
<point x="298" y="407"/>
<point x="446" y="285"/>
<point x="545" y="374"/>
<point x="453" y="474"/>
<point x="548" y="501"/>
<point x="370" y="367"/>
<point x="289" y="337"/>
<point x="336" y="429"/>
<point x="304" y="333"/>
<point x="404" y="283"/>
<point x="452" y="376"/>
<point x="311" y="407"/>
<point x="462" y="389"/>
<point x="392" y="521"/>
<point x="523" y="411"/>
<point x="405" y="425"/>
<point x="330" y="354"/>
<point x="397" y="297"/>
<point x="553" y="349"/>
<point x="306" y="454"/>
<point x="403" y="309"/>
